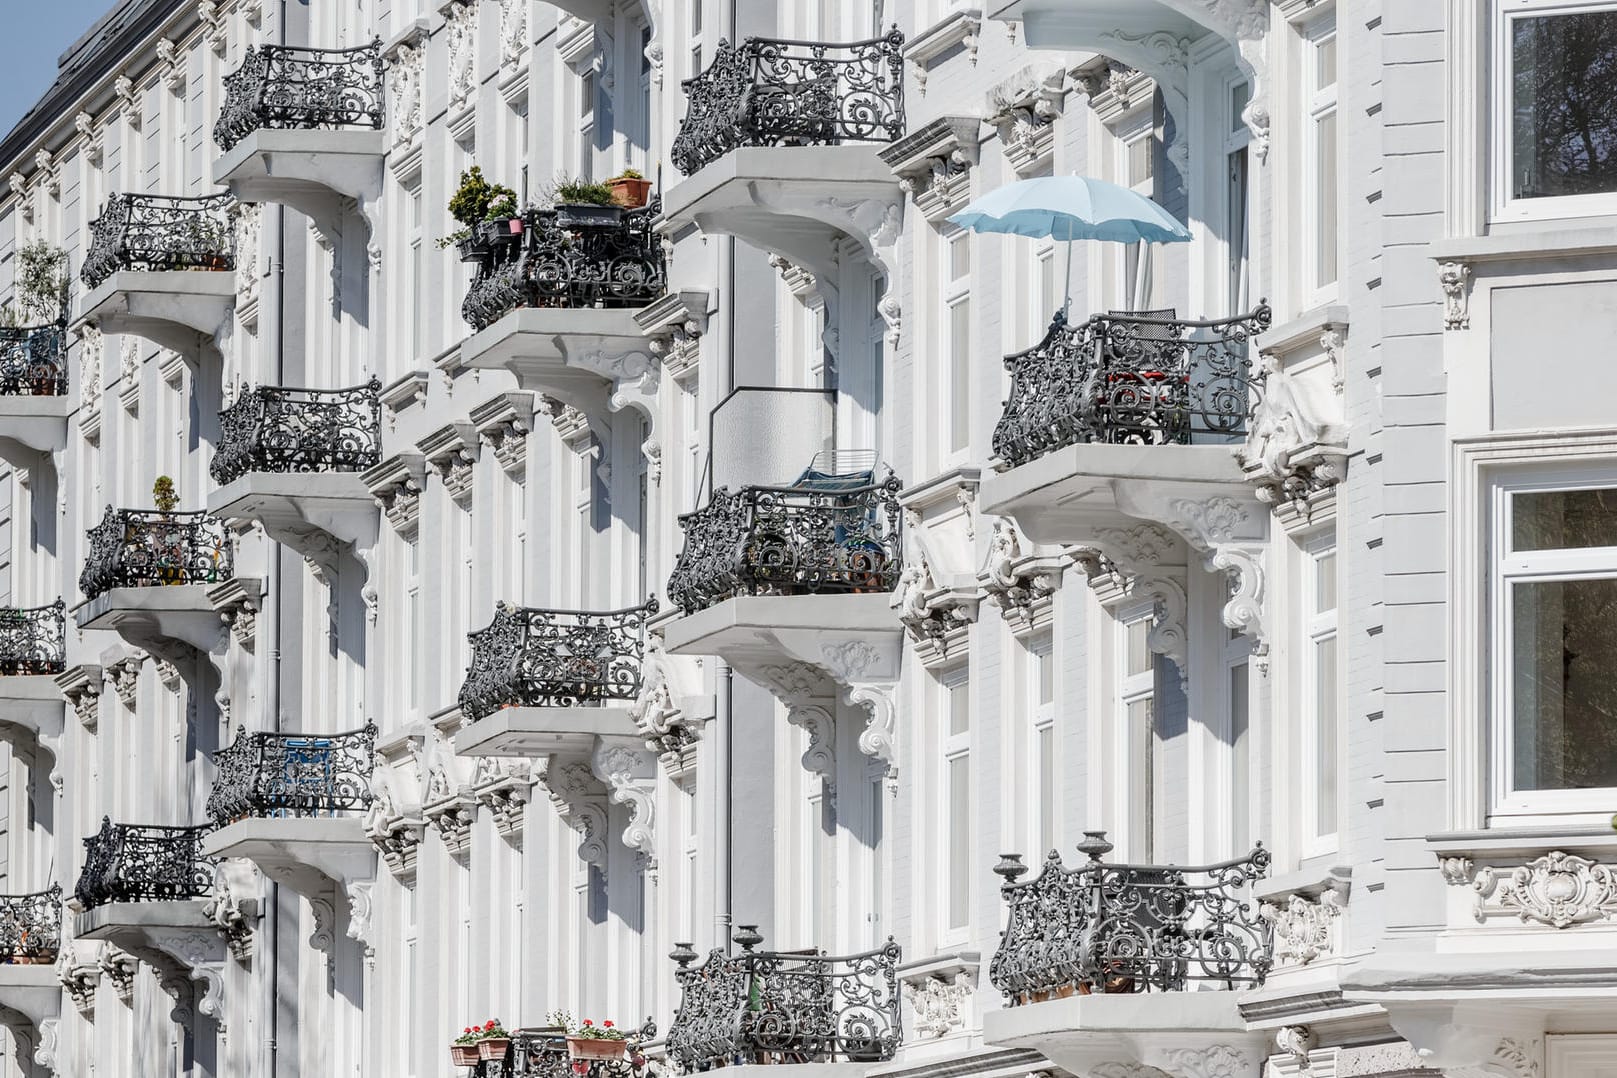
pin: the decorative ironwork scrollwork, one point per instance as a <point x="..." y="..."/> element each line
<point x="141" y="548"/>
<point x="774" y="92"/>
<point x="160" y="232"/>
<point x="792" y="1007"/>
<point x="529" y="657"/>
<point x="1130" y="380"/>
<point x="31" y="926"/>
<point x="1129" y="928"/>
<point x="613" y="262"/>
<point x="285" y="429"/>
<point x="269" y="774"/>
<point x="789" y="541"/>
<point x="125" y="862"/>
<point x="542" y="1053"/>
<point x="33" y="640"/>
<point x="33" y="361"/>
<point x="302" y="89"/>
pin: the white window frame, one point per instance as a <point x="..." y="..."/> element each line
<point x="1319" y="627"/>
<point x="1043" y="751"/>
<point x="1503" y="206"/>
<point x="1505" y="568"/>
<point x="1320" y="104"/>
<point x="952" y="747"/>
<point x="1044" y="293"/>
<point x="1137" y="128"/>
<point x="1238" y="656"/>
<point x="1141" y="750"/>
<point x="955" y="292"/>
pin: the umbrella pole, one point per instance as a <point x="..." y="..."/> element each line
<point x="1066" y="303"/>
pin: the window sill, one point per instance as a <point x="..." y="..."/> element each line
<point x="1506" y="841"/>
<point x="1597" y="237"/>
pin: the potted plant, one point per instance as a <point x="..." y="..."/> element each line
<point x="583" y="204"/>
<point x="594" y="1042"/>
<point x="491" y="1048"/>
<point x="477" y="205"/>
<point x="630" y="189"/>
<point x="167" y="542"/>
<point x="463" y="1050"/>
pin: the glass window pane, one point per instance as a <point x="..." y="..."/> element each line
<point x="1139" y="651"/>
<point x="1564" y="104"/>
<point x="1047" y="788"/>
<point x="1565" y="713"/>
<point x="1240" y="762"/>
<point x="959" y="841"/>
<point x="960" y="375"/>
<point x="959" y="257"/>
<point x="959" y="708"/>
<point x="1326" y="241"/>
<point x="1143" y="735"/>
<point x="1240" y="97"/>
<point x="1325" y="735"/>
<point x="1325" y="63"/>
<point x="1045" y="671"/>
<point x="1563" y="519"/>
<point x="1325" y="581"/>
<point x="1139" y="161"/>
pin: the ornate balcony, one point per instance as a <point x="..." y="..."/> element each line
<point x="542" y="1053"/>
<point x="567" y="262"/>
<point x="780" y="141"/>
<point x="147" y="576"/>
<point x="33" y="387"/>
<point x="761" y="1007"/>
<point x="33" y="640"/>
<point x="303" y="127"/>
<point x="1127" y="418"/>
<point x="292" y="804"/>
<point x="291" y="460"/>
<point x="125" y="862"/>
<point x="31" y="927"/>
<point x="773" y="92"/>
<point x="555" y="305"/>
<point x="159" y="267"/>
<point x="1081" y="944"/>
<point x="541" y="681"/>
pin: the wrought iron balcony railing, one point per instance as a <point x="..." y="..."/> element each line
<point x="126" y="862"/>
<point x="1101" y="928"/>
<point x="142" y="548"/>
<point x="31" y="926"/>
<point x="611" y="260"/>
<point x="1130" y="379"/>
<point x="771" y="92"/>
<point x="527" y="657"/>
<point x="33" y="361"/>
<point x="785" y="1007"/>
<point x="542" y="1053"/>
<point x="160" y="232"/>
<point x="285" y="429"/>
<point x="301" y="89"/>
<point x="33" y="640"/>
<point x="789" y="541"/>
<point x="266" y="774"/>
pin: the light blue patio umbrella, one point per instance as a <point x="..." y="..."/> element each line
<point x="1072" y="208"/>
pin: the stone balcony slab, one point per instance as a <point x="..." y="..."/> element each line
<point x="578" y="355"/>
<point x="321" y="515"/>
<point x="545" y="731"/>
<point x="181" y="310"/>
<point x="32" y="991"/>
<point x="34" y="703"/>
<point x="35" y="424"/>
<point x="312" y="171"/>
<point x="312" y="855"/>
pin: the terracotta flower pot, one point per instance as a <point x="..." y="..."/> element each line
<point x="492" y="1049"/>
<point x="463" y="1055"/>
<point x="629" y="192"/>
<point x="594" y="1048"/>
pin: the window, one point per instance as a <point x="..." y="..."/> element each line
<point x="418" y="273"/>
<point x="956" y="814"/>
<point x="1237" y="142"/>
<point x="1555" y="108"/>
<point x="957" y="316"/>
<point x="1321" y="695"/>
<point x="1042" y="744"/>
<point x="412" y="629"/>
<point x="695" y="37"/>
<point x="1137" y="715"/>
<point x="1237" y="662"/>
<point x="586" y="126"/>
<point x="1323" y="209"/>
<point x="1046" y="293"/>
<point x="1554" y="587"/>
<point x="1136" y="171"/>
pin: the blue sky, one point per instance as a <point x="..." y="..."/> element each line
<point x="36" y="33"/>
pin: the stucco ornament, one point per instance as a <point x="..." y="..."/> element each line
<point x="1303" y="927"/>
<point x="940" y="1004"/>
<point x="1559" y="889"/>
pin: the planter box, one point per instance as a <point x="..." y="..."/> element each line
<point x="463" y="1055"/>
<point x="585" y="215"/>
<point x="630" y="193"/>
<point x="472" y="249"/>
<point x="595" y="1048"/>
<point x="492" y="1049"/>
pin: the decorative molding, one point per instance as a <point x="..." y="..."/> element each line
<point x="460" y="23"/>
<point x="91" y="133"/>
<point x="215" y="26"/>
<point x="406" y="90"/>
<point x="513" y="32"/>
<point x="504" y="786"/>
<point x="659" y="708"/>
<point x="1297" y="443"/>
<point x="1558" y="889"/>
<point x="504" y="423"/>
<point x="1455" y="280"/>
<point x="1304" y="927"/>
<point x="1219" y="529"/>
<point x="934" y="164"/>
<point x="124" y="675"/>
<point x="1140" y="553"/>
<point x="81" y="685"/>
<point x="452" y="450"/>
<point x="78" y="967"/>
<point x="674" y="326"/>
<point x="1021" y="584"/>
<point x="937" y="618"/>
<point x="1296" y="1042"/>
<point x="396" y="483"/>
<point x="396" y="830"/>
<point x="120" y="968"/>
<point x="238" y="601"/>
<point x="960" y="27"/>
<point x="1023" y="109"/>
<point x="233" y="905"/>
<point x="580" y="801"/>
<point x="629" y="773"/>
<point x="939" y="994"/>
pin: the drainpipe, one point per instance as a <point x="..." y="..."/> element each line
<point x="725" y="767"/>
<point x="274" y="693"/>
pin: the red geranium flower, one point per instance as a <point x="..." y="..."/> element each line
<point x="587" y="1022"/>
<point x="608" y="1025"/>
<point x="490" y="1024"/>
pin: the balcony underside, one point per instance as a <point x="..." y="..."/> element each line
<point x="544" y="731"/>
<point x="32" y="702"/>
<point x="312" y="855"/>
<point x="124" y="923"/>
<point x="1064" y="24"/>
<point x="797" y="201"/>
<point x="156" y="617"/>
<point x="1080" y="1033"/>
<point x="1071" y="494"/>
<point x="33" y="425"/>
<point x="32" y="991"/>
<point x="311" y="171"/>
<point x="751" y="632"/>
<point x="575" y="355"/>
<point x="318" y="514"/>
<point x="182" y="310"/>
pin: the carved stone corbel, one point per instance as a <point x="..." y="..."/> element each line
<point x="629" y="773"/>
<point x="580" y="801"/>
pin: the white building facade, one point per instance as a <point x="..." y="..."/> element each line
<point x="761" y="618"/>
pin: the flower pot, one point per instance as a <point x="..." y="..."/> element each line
<point x="594" y="1048"/>
<point x="492" y="1049"/>
<point x="471" y="249"/>
<point x="463" y="1055"/>
<point x="588" y="215"/>
<point x="515" y="225"/>
<point x="629" y="192"/>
